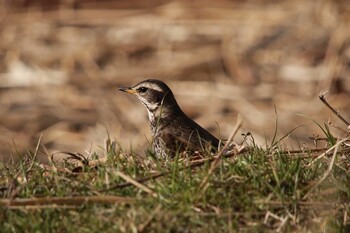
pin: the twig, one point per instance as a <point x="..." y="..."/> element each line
<point x="55" y="169"/>
<point x="323" y="99"/>
<point x="39" y="207"/>
<point x="330" y="167"/>
<point x="35" y="153"/>
<point x="76" y="200"/>
<point x="143" y="226"/>
<point x="303" y="151"/>
<point x="74" y="156"/>
<point x="136" y="183"/>
<point x="270" y="214"/>
<point x="203" y="186"/>
<point x="139" y="180"/>
<point x="301" y="203"/>
<point x="283" y="223"/>
<point x="345" y="216"/>
<point x="329" y="150"/>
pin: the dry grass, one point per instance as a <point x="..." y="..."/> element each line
<point x="252" y="190"/>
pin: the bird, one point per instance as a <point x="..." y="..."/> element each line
<point x="172" y="130"/>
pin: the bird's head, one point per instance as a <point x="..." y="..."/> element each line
<point x="153" y="94"/>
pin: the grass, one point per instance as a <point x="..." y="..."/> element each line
<point x="260" y="190"/>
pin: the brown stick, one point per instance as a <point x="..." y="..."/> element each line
<point x="136" y="183"/>
<point x="143" y="226"/>
<point x="336" y="112"/>
<point x="77" y="200"/>
<point x="330" y="167"/>
<point x="203" y="186"/>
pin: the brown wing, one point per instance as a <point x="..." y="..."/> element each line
<point x="185" y="134"/>
<point x="197" y="133"/>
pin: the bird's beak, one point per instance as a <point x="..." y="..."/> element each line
<point x="129" y="90"/>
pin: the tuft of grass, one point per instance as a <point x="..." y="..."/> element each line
<point x="260" y="190"/>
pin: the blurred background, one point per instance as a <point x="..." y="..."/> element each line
<point x="61" y="62"/>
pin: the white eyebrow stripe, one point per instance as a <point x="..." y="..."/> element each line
<point x="156" y="87"/>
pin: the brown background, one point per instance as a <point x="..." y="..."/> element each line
<point x="61" y="63"/>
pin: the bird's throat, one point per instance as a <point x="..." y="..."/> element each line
<point x="158" y="118"/>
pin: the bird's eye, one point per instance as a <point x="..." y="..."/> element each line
<point x="142" y="89"/>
